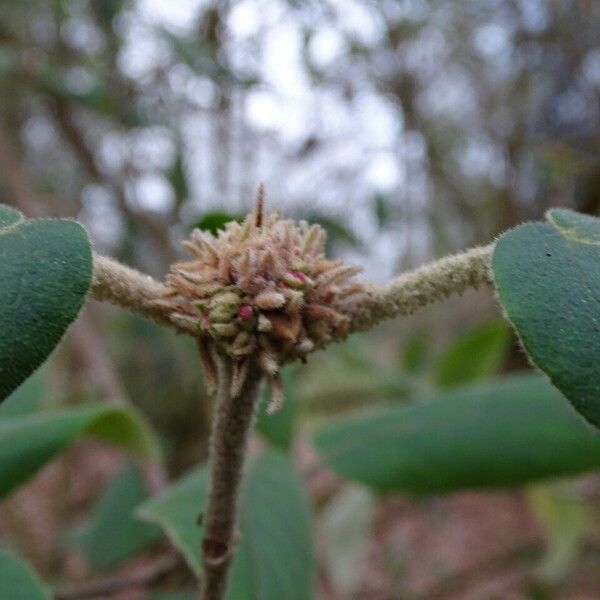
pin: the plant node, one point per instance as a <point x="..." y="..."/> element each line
<point x="261" y="289"/>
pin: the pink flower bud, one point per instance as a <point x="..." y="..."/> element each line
<point x="245" y="312"/>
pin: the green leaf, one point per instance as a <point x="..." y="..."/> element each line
<point x="27" y="442"/>
<point x="564" y="520"/>
<point x="26" y="399"/>
<point x="201" y="57"/>
<point x="476" y="354"/>
<point x="274" y="555"/>
<point x="178" y="178"/>
<point x="279" y="427"/>
<point x="107" y="10"/>
<point x="45" y="272"/>
<point x="214" y="221"/>
<point x="176" y="511"/>
<point x="506" y="433"/>
<point x="548" y="281"/>
<point x="18" y="581"/>
<point x="100" y="97"/>
<point x="114" y="534"/>
<point x="336" y="232"/>
<point x="414" y="354"/>
<point x="381" y="208"/>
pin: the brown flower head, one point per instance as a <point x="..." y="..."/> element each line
<point x="262" y="289"/>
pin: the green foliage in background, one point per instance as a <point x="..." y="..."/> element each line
<point x="113" y="534"/>
<point x="83" y="83"/>
<point x="215" y="221"/>
<point x="28" y="441"/>
<point x="477" y="354"/>
<point x="491" y="435"/>
<point x="564" y="519"/>
<point x="18" y="581"/>
<point x="275" y="556"/>
<point x="27" y="398"/>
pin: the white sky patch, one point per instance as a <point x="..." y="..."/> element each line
<point x="425" y="54"/>
<point x="380" y="120"/>
<point x="591" y="68"/>
<point x="451" y="95"/>
<point x="572" y="106"/>
<point x="326" y="46"/>
<point x="281" y="66"/>
<point x="535" y="15"/>
<point x="113" y="150"/>
<point x="482" y="158"/>
<point x="263" y="110"/>
<point x="153" y="192"/>
<point x="82" y="34"/>
<point x="413" y="146"/>
<point x="330" y="116"/>
<point x="100" y="215"/>
<point x="491" y="40"/>
<point x="244" y="19"/>
<point x="199" y="91"/>
<point x="357" y="19"/>
<point x="142" y="51"/>
<point x="39" y="132"/>
<point x="178" y="14"/>
<point x="152" y="148"/>
<point x="382" y="172"/>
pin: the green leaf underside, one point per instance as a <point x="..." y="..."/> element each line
<point x="18" y="581"/>
<point x="26" y="399"/>
<point x="45" y="272"/>
<point x="548" y="281"/>
<point x="274" y="555"/>
<point x="501" y="434"/>
<point x="114" y="534"/>
<point x="28" y="442"/>
<point x="476" y="354"/>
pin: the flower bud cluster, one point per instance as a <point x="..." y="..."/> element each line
<point x="263" y="290"/>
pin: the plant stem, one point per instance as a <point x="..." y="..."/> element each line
<point x="232" y="422"/>
<point x="430" y="283"/>
<point x="128" y="288"/>
<point x="403" y="295"/>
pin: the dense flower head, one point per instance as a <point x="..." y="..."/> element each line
<point x="263" y="289"/>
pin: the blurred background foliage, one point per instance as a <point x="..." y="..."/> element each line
<point x="408" y="129"/>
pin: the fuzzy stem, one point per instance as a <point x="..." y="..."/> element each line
<point x="232" y="423"/>
<point x="431" y="283"/>
<point x="127" y="288"/>
<point x="405" y="294"/>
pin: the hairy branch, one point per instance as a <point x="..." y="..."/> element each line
<point x="430" y="283"/>
<point x="404" y="295"/>
<point x="232" y="423"/>
<point x="128" y="288"/>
